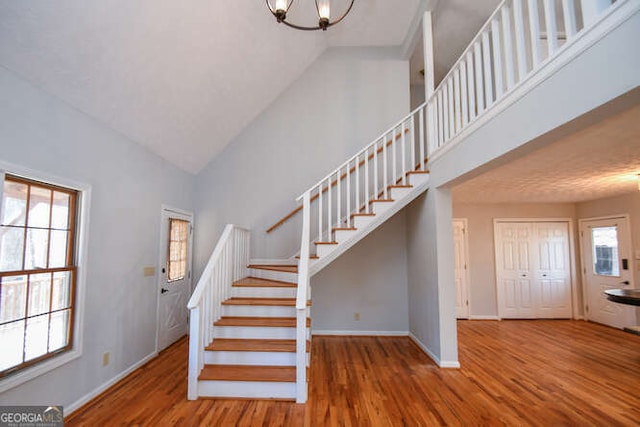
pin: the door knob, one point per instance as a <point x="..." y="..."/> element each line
<point x="164" y="291"/>
<point x="544" y="275"/>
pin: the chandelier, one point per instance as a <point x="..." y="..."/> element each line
<point x="323" y="8"/>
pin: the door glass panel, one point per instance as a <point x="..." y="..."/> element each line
<point x="605" y="251"/>
<point x="178" y="239"/>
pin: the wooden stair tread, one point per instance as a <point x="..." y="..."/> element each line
<point x="380" y="200"/>
<point x="363" y="214"/>
<point x="270" y="322"/>
<point x="344" y="229"/>
<point x="248" y="373"/>
<point x="326" y="243"/>
<point x="283" y="268"/>
<point x="310" y="257"/>
<point x="254" y="282"/>
<point x="289" y="302"/>
<point x="266" y="345"/>
<point x="400" y="186"/>
<point x="416" y="172"/>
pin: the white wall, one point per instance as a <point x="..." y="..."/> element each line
<point x="345" y="99"/>
<point x="129" y="184"/>
<point x="482" y="270"/>
<point x="432" y="297"/>
<point x="370" y="279"/>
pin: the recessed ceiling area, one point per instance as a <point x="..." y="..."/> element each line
<point x="599" y="161"/>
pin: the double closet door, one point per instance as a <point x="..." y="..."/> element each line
<point x="533" y="270"/>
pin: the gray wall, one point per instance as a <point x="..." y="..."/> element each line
<point x="345" y="99"/>
<point x="129" y="185"/>
<point x="482" y="270"/>
<point x="370" y="279"/>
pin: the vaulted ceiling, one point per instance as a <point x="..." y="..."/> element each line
<point x="182" y="78"/>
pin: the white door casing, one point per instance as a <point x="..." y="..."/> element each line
<point x="172" y="313"/>
<point x="533" y="269"/>
<point x="612" y="233"/>
<point x="461" y="267"/>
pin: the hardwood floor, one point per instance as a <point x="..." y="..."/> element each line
<point x="542" y="372"/>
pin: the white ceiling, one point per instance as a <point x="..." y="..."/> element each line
<point x="600" y="161"/>
<point x="182" y="78"/>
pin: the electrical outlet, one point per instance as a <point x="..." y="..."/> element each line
<point x="356" y="316"/>
<point x="105" y="359"/>
<point x="149" y="271"/>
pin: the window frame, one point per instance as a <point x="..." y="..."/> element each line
<point x="82" y="215"/>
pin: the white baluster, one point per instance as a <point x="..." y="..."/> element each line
<point x="521" y="48"/>
<point x="404" y="156"/>
<point x="320" y="211"/>
<point x="477" y="59"/>
<point x="552" y="26"/>
<point x="329" y="209"/>
<point x="486" y="61"/>
<point x="366" y="180"/>
<point x="385" y="166"/>
<point x="497" y="57"/>
<point x="456" y="101"/>
<point x="440" y="119"/>
<point x="464" y="96"/>
<point x="450" y="112"/>
<point x="348" y="194"/>
<point x="357" y="171"/>
<point x="339" y="199"/>
<point x="412" y="131"/>
<point x="471" y="87"/>
<point x="375" y="170"/>
<point x="508" y="46"/>
<point x="422" y="144"/>
<point x="394" y="157"/>
<point x="534" y="33"/>
<point x="445" y="112"/>
<point x="569" y="12"/>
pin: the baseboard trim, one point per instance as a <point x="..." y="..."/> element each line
<point x="68" y="409"/>
<point x="447" y="364"/>
<point x="483" y="317"/>
<point x="361" y="333"/>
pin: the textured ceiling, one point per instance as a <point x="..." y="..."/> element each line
<point x="182" y="78"/>
<point x="600" y="161"/>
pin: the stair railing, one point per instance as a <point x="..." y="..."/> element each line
<point x="347" y="191"/>
<point x="518" y="39"/>
<point x="228" y="263"/>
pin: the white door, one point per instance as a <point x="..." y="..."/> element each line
<point x="552" y="270"/>
<point x="606" y="265"/>
<point x="174" y="285"/>
<point x="514" y="271"/>
<point x="461" y="265"/>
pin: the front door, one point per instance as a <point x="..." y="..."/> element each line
<point x="174" y="285"/>
<point x="606" y="265"/>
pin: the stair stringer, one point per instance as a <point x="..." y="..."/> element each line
<point x="316" y="266"/>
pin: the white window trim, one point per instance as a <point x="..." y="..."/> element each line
<point x="82" y="236"/>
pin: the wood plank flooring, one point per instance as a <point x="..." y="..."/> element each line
<point x="540" y="373"/>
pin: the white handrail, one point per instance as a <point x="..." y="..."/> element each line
<point x="228" y="263"/>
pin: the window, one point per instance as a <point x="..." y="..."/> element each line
<point x="605" y="251"/>
<point x="178" y="239"/>
<point x="37" y="272"/>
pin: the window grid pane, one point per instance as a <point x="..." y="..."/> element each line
<point x="37" y="275"/>
<point x="178" y="239"/>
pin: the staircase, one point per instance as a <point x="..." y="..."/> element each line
<point x="250" y="324"/>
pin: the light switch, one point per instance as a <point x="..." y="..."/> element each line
<point x="149" y="271"/>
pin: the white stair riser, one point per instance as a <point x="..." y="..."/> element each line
<point x="416" y="179"/>
<point x="247" y="389"/>
<point x="379" y="207"/>
<point x="281" y="276"/>
<point x="399" y="193"/>
<point x="342" y="235"/>
<point x="323" y="250"/>
<point x="254" y="358"/>
<point x="361" y="221"/>
<point x="254" y="332"/>
<point x="260" y="292"/>
<point x="258" y="311"/>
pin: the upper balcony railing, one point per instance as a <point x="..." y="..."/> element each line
<point x="517" y="40"/>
